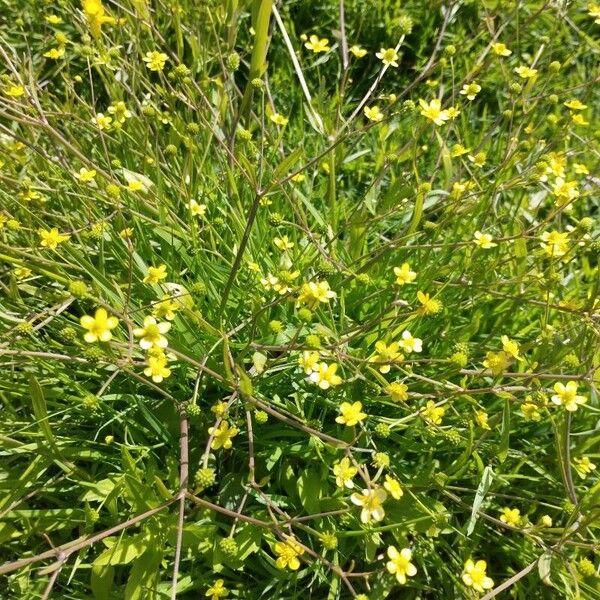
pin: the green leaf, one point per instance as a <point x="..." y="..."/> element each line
<point x="309" y="489"/>
<point x="122" y="552"/>
<point x="482" y="490"/>
<point x="144" y="576"/>
<point x="40" y="410"/>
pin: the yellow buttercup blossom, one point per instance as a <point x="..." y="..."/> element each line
<point x="481" y="418"/>
<point x="151" y="334"/>
<point x="579" y="120"/>
<point x="474" y="575"/>
<point x="317" y="44"/>
<point x="575" y="104"/>
<point x="409" y="344"/>
<point x="398" y="391"/>
<point x="314" y="292"/>
<point x="393" y="487"/>
<point x="99" y="326"/>
<point x="344" y="471"/>
<point x="388" y="56"/>
<point x="496" y="362"/>
<point x="581" y="169"/>
<point x="433" y="111"/>
<point x="433" y="414"/>
<point x="373" y="113"/>
<point x="55" y="53"/>
<point x="484" y="240"/>
<point x="197" y="209"/>
<point x="594" y="12"/>
<point x="95" y="15"/>
<point x="309" y="361"/>
<point x="357" y="51"/>
<point x="288" y="553"/>
<point x="119" y="111"/>
<point x="567" y="396"/>
<point x="283" y="243"/>
<point x="222" y="435"/>
<point x="351" y="414"/>
<point x="53" y="19"/>
<point x="452" y="112"/>
<point x="510" y="346"/>
<point x="531" y="411"/>
<point x="565" y="191"/>
<point x="165" y="308"/>
<point x="404" y="274"/>
<point x="525" y="72"/>
<point x="279" y="119"/>
<point x="400" y="565"/>
<point x="500" y="49"/>
<point x="135" y="185"/>
<point x="324" y="375"/>
<point x="21" y="272"/>
<point x="371" y="501"/>
<point x="15" y="91"/>
<point x="86" y="175"/>
<point x="102" y="122"/>
<point x="155" y="61"/>
<point x="384" y="355"/>
<point x="50" y="238"/>
<point x="511" y="516"/>
<point x="157" y="367"/>
<point x="458" y="150"/>
<point x="429" y="306"/>
<point x="470" y="90"/>
<point x="584" y="466"/>
<point x="554" y="243"/>
<point x="155" y="274"/>
<point x="217" y="590"/>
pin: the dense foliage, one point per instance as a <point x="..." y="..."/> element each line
<point x="299" y="299"/>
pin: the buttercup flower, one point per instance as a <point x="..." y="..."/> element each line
<point x="151" y="333"/>
<point x="317" y="44"/>
<point x="388" y="56"/>
<point x="584" y="466"/>
<point x="404" y="274"/>
<point x="470" y="90"/>
<point x="344" y="471"/>
<point x="409" y="343"/>
<point x="324" y="375"/>
<point x="157" y="367"/>
<point x="511" y="516"/>
<point x="222" y="436"/>
<point x="400" y="565"/>
<point x="288" y="552"/>
<point x="575" y="104"/>
<point x="384" y="355"/>
<point x="481" y="418"/>
<point x="309" y="361"/>
<point x="155" y="274"/>
<point x="217" y="590"/>
<point x="429" y="306"/>
<point x="393" y="487"/>
<point x="433" y="111"/>
<point x="50" y="238"/>
<point x="474" y="575"/>
<point x="398" y="391"/>
<point x="357" y="51"/>
<point x="484" y="240"/>
<point x="500" y="49"/>
<point x="99" y="326"/>
<point x="567" y="396"/>
<point x="554" y="243"/>
<point x="373" y="113"/>
<point x="314" y="292"/>
<point x="525" y="72"/>
<point x="350" y="414"/>
<point x="279" y="119"/>
<point x="371" y="500"/>
<point x="155" y="61"/>
<point x="433" y="414"/>
<point x="496" y="362"/>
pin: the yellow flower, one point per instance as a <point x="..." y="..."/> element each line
<point x="155" y="61"/>
<point x="433" y="414"/>
<point x="314" y="292"/>
<point x="433" y="111"/>
<point x="165" y="308"/>
<point x="373" y="113"/>
<point x="157" y="367"/>
<point x="452" y="112"/>
<point x="14" y="91"/>
<point x="55" y="53"/>
<point x="384" y="355"/>
<point x="99" y="326"/>
<point x="350" y="414"/>
<point x="95" y="15"/>
<point x="567" y="396"/>
<point x="429" y="306"/>
<point x="309" y="361"/>
<point x="510" y="346"/>
<point x="409" y="343"/>
<point x="135" y="186"/>
<point x="581" y="169"/>
<point x="317" y="45"/>
<point x="398" y="391"/>
<point x="530" y="411"/>
<point x="525" y="72"/>
<point x="474" y="575"/>
<point x="22" y="272"/>
<point x="584" y="466"/>
<point x="458" y="150"/>
<point x="217" y="590"/>
<point x="222" y="436"/>
<point x="594" y="12"/>
<point x="545" y="521"/>
<point x="86" y="175"/>
<point x="126" y="233"/>
<point x="554" y="243"/>
<point x="500" y="49"/>
<point x="283" y="243"/>
<point x="358" y="51"/>
<point x="155" y="274"/>
<point x="400" y="565"/>
<point x="404" y="274"/>
<point x="50" y="238"/>
<point x="102" y="122"/>
<point x="496" y="362"/>
<point x="470" y="90"/>
<point x="119" y="111"/>
<point x="344" y="471"/>
<point x="371" y="500"/>
<point x="279" y="119"/>
<point x="511" y="516"/>
<point x="481" y="418"/>
<point x="388" y="56"/>
<point x="575" y="104"/>
<point x="53" y="19"/>
<point x="151" y="333"/>
<point x="579" y="120"/>
<point x="478" y="160"/>
<point x="288" y="553"/>
<point x="197" y="210"/>
<point x="393" y="487"/>
<point x="324" y="375"/>
<point x="484" y="240"/>
<point x="565" y="191"/>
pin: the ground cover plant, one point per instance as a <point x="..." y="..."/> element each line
<point x="299" y="299"/>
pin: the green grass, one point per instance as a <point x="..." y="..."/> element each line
<point x="246" y="166"/>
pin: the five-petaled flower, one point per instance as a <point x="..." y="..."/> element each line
<point x="51" y="238"/>
<point x="474" y="575"/>
<point x="385" y="355"/>
<point x="317" y="44"/>
<point x="393" y="487"/>
<point x="155" y="61"/>
<point x="151" y="334"/>
<point x="373" y="113"/>
<point x="351" y="414"/>
<point x="371" y="500"/>
<point x="404" y="274"/>
<point x="567" y="396"/>
<point x="483" y="240"/>
<point x="511" y="516"/>
<point x="99" y="326"/>
<point x="324" y="375"/>
<point x="314" y="292"/>
<point x="388" y="56"/>
<point x="344" y="471"/>
<point x="155" y="274"/>
<point x="217" y="590"/>
<point x="433" y="111"/>
<point x="399" y="564"/>
<point x="222" y="435"/>
<point x="288" y="553"/>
